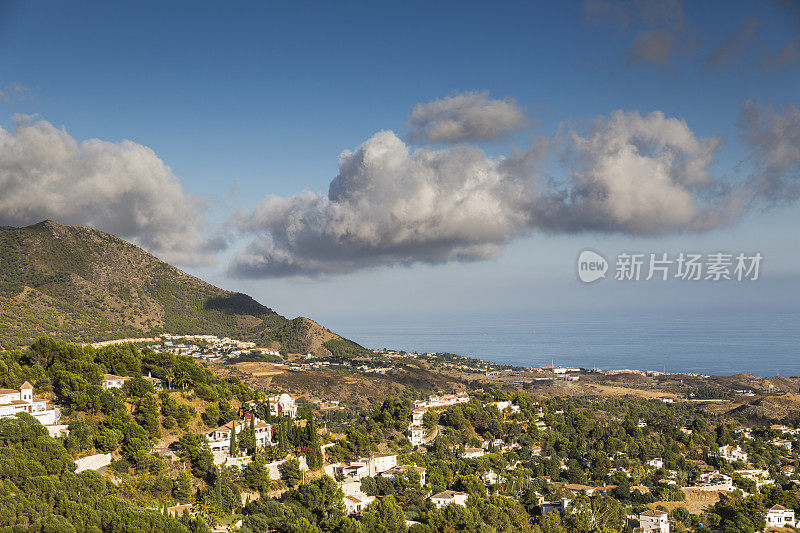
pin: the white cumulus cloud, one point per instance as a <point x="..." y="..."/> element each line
<point x="641" y="175"/>
<point x="391" y="204"/>
<point x="122" y="188"/>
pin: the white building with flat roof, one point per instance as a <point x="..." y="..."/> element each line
<point x="760" y="476"/>
<point x="435" y="401"/>
<point x="363" y="467"/>
<point x="110" y="381"/>
<point x="654" y="521"/>
<point x="389" y="474"/>
<point x="355" y="469"/>
<point x="714" y="481"/>
<point x="381" y="462"/>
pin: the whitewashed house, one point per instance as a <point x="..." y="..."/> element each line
<point x="417" y="437"/>
<point x="373" y="466"/>
<point x="761" y="477"/>
<point x="356" y="469"/>
<point x="389" y="474"/>
<point x="283" y="404"/>
<point x="783" y="443"/>
<point x="490" y="477"/>
<point x="654" y="521"/>
<point x="356" y="504"/>
<point x="219" y="439"/>
<point x="733" y="453"/>
<point x="381" y="462"/>
<point x="780" y="516"/>
<point x="332" y="469"/>
<point x="13" y="402"/>
<point x="558" y="505"/>
<point x="472" y="453"/>
<point x="417" y="417"/>
<point x="714" y="481"/>
<point x="501" y="405"/>
<point x="435" y="401"/>
<point x="656" y="462"/>
<point x="449" y="497"/>
<point x="505" y="406"/>
<point x="110" y="381"/>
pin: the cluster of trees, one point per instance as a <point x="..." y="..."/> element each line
<point x="583" y="441"/>
<point x="40" y="491"/>
<point x="317" y="507"/>
<point x="291" y="334"/>
<point x="75" y="373"/>
<point x="129" y="420"/>
<point x="346" y="348"/>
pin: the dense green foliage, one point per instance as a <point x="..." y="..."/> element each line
<point x="39" y="490"/>
<point x="346" y="348"/>
<point x="593" y="452"/>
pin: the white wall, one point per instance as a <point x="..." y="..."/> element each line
<point x="93" y="462"/>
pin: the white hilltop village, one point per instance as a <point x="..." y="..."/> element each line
<point x="421" y="431"/>
<point x="199" y="345"/>
<point x="350" y="475"/>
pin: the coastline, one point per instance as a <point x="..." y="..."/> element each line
<point x="709" y="342"/>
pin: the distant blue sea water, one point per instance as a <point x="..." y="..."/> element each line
<point x="763" y="342"/>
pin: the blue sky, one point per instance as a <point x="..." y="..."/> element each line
<point x="244" y="100"/>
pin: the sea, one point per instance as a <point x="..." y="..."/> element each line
<point x="763" y="342"/>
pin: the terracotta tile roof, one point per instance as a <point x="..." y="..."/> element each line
<point x="448" y="494"/>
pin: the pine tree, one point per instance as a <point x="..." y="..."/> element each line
<point x="182" y="490"/>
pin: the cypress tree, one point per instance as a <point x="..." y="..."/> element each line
<point x="252" y="436"/>
<point x="234" y="449"/>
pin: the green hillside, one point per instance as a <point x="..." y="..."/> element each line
<point x="81" y="284"/>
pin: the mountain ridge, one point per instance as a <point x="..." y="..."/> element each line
<point x="82" y="284"/>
